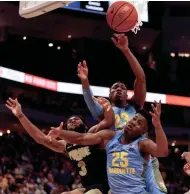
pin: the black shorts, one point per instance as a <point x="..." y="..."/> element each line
<point x="99" y="187"/>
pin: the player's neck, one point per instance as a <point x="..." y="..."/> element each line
<point x="125" y="139"/>
<point x="80" y="129"/>
<point x="120" y="104"/>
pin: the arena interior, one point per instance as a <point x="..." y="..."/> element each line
<point x="38" y="65"/>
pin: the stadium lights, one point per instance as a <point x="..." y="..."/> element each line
<point x="186" y="54"/>
<point x="180" y="55"/>
<point x="183" y="55"/>
<point x="176" y="150"/>
<point x="144" y="48"/>
<point x="72" y="88"/>
<point x="50" y="44"/>
<point x="173" y="144"/>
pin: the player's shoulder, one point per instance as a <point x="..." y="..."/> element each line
<point x="127" y="107"/>
<point x="144" y="142"/>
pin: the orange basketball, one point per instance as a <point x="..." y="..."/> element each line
<point x="122" y="16"/>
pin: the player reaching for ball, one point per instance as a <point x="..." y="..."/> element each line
<point x="123" y="110"/>
<point x="128" y="152"/>
<point x="89" y="161"/>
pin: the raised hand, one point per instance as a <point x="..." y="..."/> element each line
<point x="156" y="113"/>
<point x="14" y="106"/>
<point x="55" y="132"/>
<point x="82" y="70"/>
<point x="120" y="41"/>
<point x="103" y="102"/>
<point x="108" y="112"/>
<point x="186" y="156"/>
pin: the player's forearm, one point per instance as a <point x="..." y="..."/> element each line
<point x="94" y="107"/>
<point x="33" y="131"/>
<point x="140" y="81"/>
<point x="140" y="92"/>
<point x="71" y="136"/>
<point x="102" y="125"/>
<point x="85" y="83"/>
<point x="78" y="138"/>
<point x="161" y="141"/>
<point x="105" y="124"/>
<point x="135" y="65"/>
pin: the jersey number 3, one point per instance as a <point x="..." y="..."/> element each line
<point x="123" y="159"/>
<point x="82" y="165"/>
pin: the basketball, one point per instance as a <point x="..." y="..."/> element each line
<point x="122" y="16"/>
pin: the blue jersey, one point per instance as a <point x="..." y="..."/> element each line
<point x="123" y="115"/>
<point x="153" y="178"/>
<point x="125" y="167"/>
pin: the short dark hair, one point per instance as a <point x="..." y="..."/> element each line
<point x="147" y="116"/>
<point x="117" y="83"/>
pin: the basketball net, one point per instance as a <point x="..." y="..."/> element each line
<point x="139" y="5"/>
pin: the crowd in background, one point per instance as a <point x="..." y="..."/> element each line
<point x="29" y="168"/>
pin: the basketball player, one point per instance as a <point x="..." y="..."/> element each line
<point x="91" y="170"/>
<point x="128" y="152"/>
<point x="124" y="111"/>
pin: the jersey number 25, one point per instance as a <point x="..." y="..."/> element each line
<point x="123" y="159"/>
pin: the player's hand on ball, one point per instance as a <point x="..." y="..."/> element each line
<point x="82" y="70"/>
<point x="14" y="106"/>
<point x="156" y="113"/>
<point x="186" y="156"/>
<point x="55" y="132"/>
<point x="186" y="169"/>
<point x="120" y="41"/>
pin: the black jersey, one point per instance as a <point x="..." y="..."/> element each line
<point x="90" y="162"/>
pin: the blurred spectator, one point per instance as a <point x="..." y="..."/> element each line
<point x="57" y="175"/>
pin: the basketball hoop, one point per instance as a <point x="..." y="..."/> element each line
<point x="139" y="5"/>
<point x="30" y="9"/>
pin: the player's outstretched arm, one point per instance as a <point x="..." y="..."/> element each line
<point x="82" y="138"/>
<point x="160" y="148"/>
<point x="34" y="132"/>
<point x="108" y="113"/>
<point x="93" y="106"/>
<point x="121" y="41"/>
